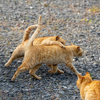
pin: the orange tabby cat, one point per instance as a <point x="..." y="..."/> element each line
<point x="20" y="50"/>
<point x="35" y="55"/>
<point x="89" y="89"/>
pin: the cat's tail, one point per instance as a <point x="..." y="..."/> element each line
<point x="37" y="31"/>
<point x="27" y="32"/>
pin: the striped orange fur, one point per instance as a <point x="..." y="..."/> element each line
<point x="35" y="55"/>
<point x="20" y="50"/>
<point x="89" y="89"/>
<point x="50" y="55"/>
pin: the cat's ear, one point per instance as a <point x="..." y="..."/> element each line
<point x="78" y="48"/>
<point x="79" y="76"/>
<point x="87" y="73"/>
<point x="57" y="38"/>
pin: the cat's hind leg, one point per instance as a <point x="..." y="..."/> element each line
<point x="18" y="53"/>
<point x="33" y="71"/>
<point x="60" y="71"/>
<point x="21" y="68"/>
<point x="54" y="69"/>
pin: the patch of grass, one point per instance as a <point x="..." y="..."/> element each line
<point x="92" y="76"/>
<point x="87" y="21"/>
<point x="46" y="5"/>
<point x="1" y="37"/>
<point x="27" y="17"/>
<point x="94" y="9"/>
<point x="31" y="86"/>
<point x="90" y="21"/>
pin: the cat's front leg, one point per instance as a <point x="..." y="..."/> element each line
<point x="61" y="45"/>
<point x="47" y="42"/>
<point x="60" y="71"/>
<point x="72" y="68"/>
<point x="33" y="71"/>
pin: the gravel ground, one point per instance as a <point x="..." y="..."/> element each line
<point x="76" y="21"/>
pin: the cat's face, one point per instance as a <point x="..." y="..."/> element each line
<point x="59" y="39"/>
<point x="87" y="78"/>
<point x="77" y="51"/>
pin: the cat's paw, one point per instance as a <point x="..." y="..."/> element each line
<point x="63" y="47"/>
<point x="60" y="71"/>
<point x="13" y="78"/>
<point x="6" y="64"/>
<point x="51" y="71"/>
<point x="38" y="78"/>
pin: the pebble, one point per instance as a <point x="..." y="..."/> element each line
<point x="98" y="34"/>
<point x="61" y="92"/>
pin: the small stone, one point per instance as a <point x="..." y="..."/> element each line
<point x="61" y="92"/>
<point x="82" y="36"/>
<point x="76" y="58"/>
<point x="98" y="34"/>
<point x="64" y="87"/>
<point x="31" y="7"/>
<point x="56" y="95"/>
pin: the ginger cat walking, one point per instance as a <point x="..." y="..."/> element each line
<point x="35" y="55"/>
<point x="20" y="50"/>
<point x="89" y="89"/>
